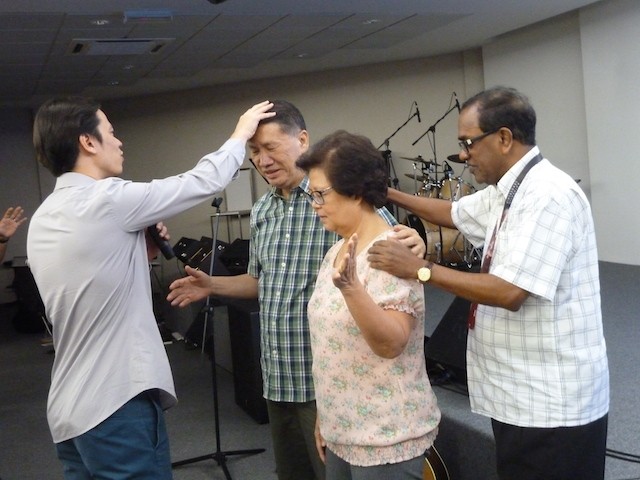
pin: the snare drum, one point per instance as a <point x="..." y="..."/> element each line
<point x="455" y="188"/>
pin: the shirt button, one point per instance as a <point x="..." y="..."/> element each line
<point x="283" y="264"/>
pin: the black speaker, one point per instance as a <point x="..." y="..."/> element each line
<point x="30" y="316"/>
<point x="197" y="254"/>
<point x="244" y="332"/>
<point x="447" y="346"/>
<point x="235" y="256"/>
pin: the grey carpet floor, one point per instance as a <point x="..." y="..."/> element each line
<point x="26" y="451"/>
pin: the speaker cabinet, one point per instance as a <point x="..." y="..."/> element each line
<point x="447" y="346"/>
<point x="244" y="333"/>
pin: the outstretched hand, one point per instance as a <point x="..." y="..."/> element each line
<point x="345" y="274"/>
<point x="10" y="222"/>
<point x="249" y="120"/>
<point x="189" y="289"/>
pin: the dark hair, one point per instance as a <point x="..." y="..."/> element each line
<point x="505" y="107"/>
<point x="57" y="128"/>
<point x="352" y="164"/>
<point x="287" y="116"/>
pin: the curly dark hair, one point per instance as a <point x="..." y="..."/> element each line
<point x="58" y="124"/>
<point x="505" y="107"/>
<point x="352" y="164"/>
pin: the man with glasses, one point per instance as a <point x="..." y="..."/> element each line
<point x="287" y="245"/>
<point x="536" y="354"/>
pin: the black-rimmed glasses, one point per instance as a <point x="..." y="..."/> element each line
<point x="468" y="143"/>
<point x="317" y="196"/>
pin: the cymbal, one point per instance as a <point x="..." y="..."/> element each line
<point x="456" y="159"/>
<point x="419" y="159"/>
<point x="419" y="178"/>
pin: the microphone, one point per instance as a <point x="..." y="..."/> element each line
<point x="457" y="102"/>
<point x="163" y="245"/>
<point x="217" y="201"/>
<point x="418" y="112"/>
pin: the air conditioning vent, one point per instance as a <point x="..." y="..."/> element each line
<point x="119" y="46"/>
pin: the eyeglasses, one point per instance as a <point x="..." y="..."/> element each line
<point x="468" y="143"/>
<point x="317" y="196"/>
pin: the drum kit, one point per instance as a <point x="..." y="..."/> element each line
<point x="445" y="246"/>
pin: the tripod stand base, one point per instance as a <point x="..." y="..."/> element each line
<point x="220" y="458"/>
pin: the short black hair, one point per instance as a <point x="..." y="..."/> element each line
<point x="287" y="116"/>
<point x="58" y="125"/>
<point x="505" y="107"/>
<point x="352" y="164"/>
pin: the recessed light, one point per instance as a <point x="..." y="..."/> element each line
<point x="100" y="22"/>
<point x="371" y="21"/>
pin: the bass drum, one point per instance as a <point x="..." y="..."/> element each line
<point x="444" y="245"/>
<point x="429" y="190"/>
<point x="454" y="189"/>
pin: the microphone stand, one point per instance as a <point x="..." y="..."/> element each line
<point x="387" y="156"/>
<point x="432" y="129"/>
<point x="219" y="456"/>
<point x="386" y="140"/>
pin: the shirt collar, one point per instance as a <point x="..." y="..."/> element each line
<point x="504" y="184"/>
<point x="73" y="179"/>
<point x="303" y="186"/>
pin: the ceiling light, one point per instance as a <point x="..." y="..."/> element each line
<point x="147" y="16"/>
<point x="100" y="22"/>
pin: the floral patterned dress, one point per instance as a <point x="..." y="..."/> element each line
<point x="372" y="410"/>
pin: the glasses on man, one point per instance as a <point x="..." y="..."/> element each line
<point x="469" y="142"/>
<point x="317" y="196"/>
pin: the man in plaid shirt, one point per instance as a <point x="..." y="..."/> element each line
<point x="287" y="245"/>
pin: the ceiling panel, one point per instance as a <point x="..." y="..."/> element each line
<point x="237" y="40"/>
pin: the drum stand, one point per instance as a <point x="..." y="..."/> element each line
<point x="219" y="456"/>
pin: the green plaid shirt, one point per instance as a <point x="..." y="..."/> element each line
<point x="288" y="243"/>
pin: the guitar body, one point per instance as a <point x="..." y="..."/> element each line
<point x="434" y="467"/>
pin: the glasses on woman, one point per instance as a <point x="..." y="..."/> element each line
<point x="317" y="196"/>
<point x="468" y="143"/>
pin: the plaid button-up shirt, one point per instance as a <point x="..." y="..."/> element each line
<point x="288" y="243"/>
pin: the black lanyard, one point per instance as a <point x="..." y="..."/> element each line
<point x="486" y="260"/>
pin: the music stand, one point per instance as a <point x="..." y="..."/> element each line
<point x="219" y="455"/>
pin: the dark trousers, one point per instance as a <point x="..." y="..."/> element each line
<point x="563" y="453"/>
<point x="294" y="445"/>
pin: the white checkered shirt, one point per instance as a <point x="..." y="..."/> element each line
<point x="546" y="364"/>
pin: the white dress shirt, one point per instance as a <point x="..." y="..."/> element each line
<point x="544" y="365"/>
<point x="87" y="251"/>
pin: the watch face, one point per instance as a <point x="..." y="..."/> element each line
<point x="424" y="274"/>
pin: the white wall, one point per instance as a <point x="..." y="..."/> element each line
<point x="164" y="135"/>
<point x="580" y="72"/>
<point x="611" y="64"/>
